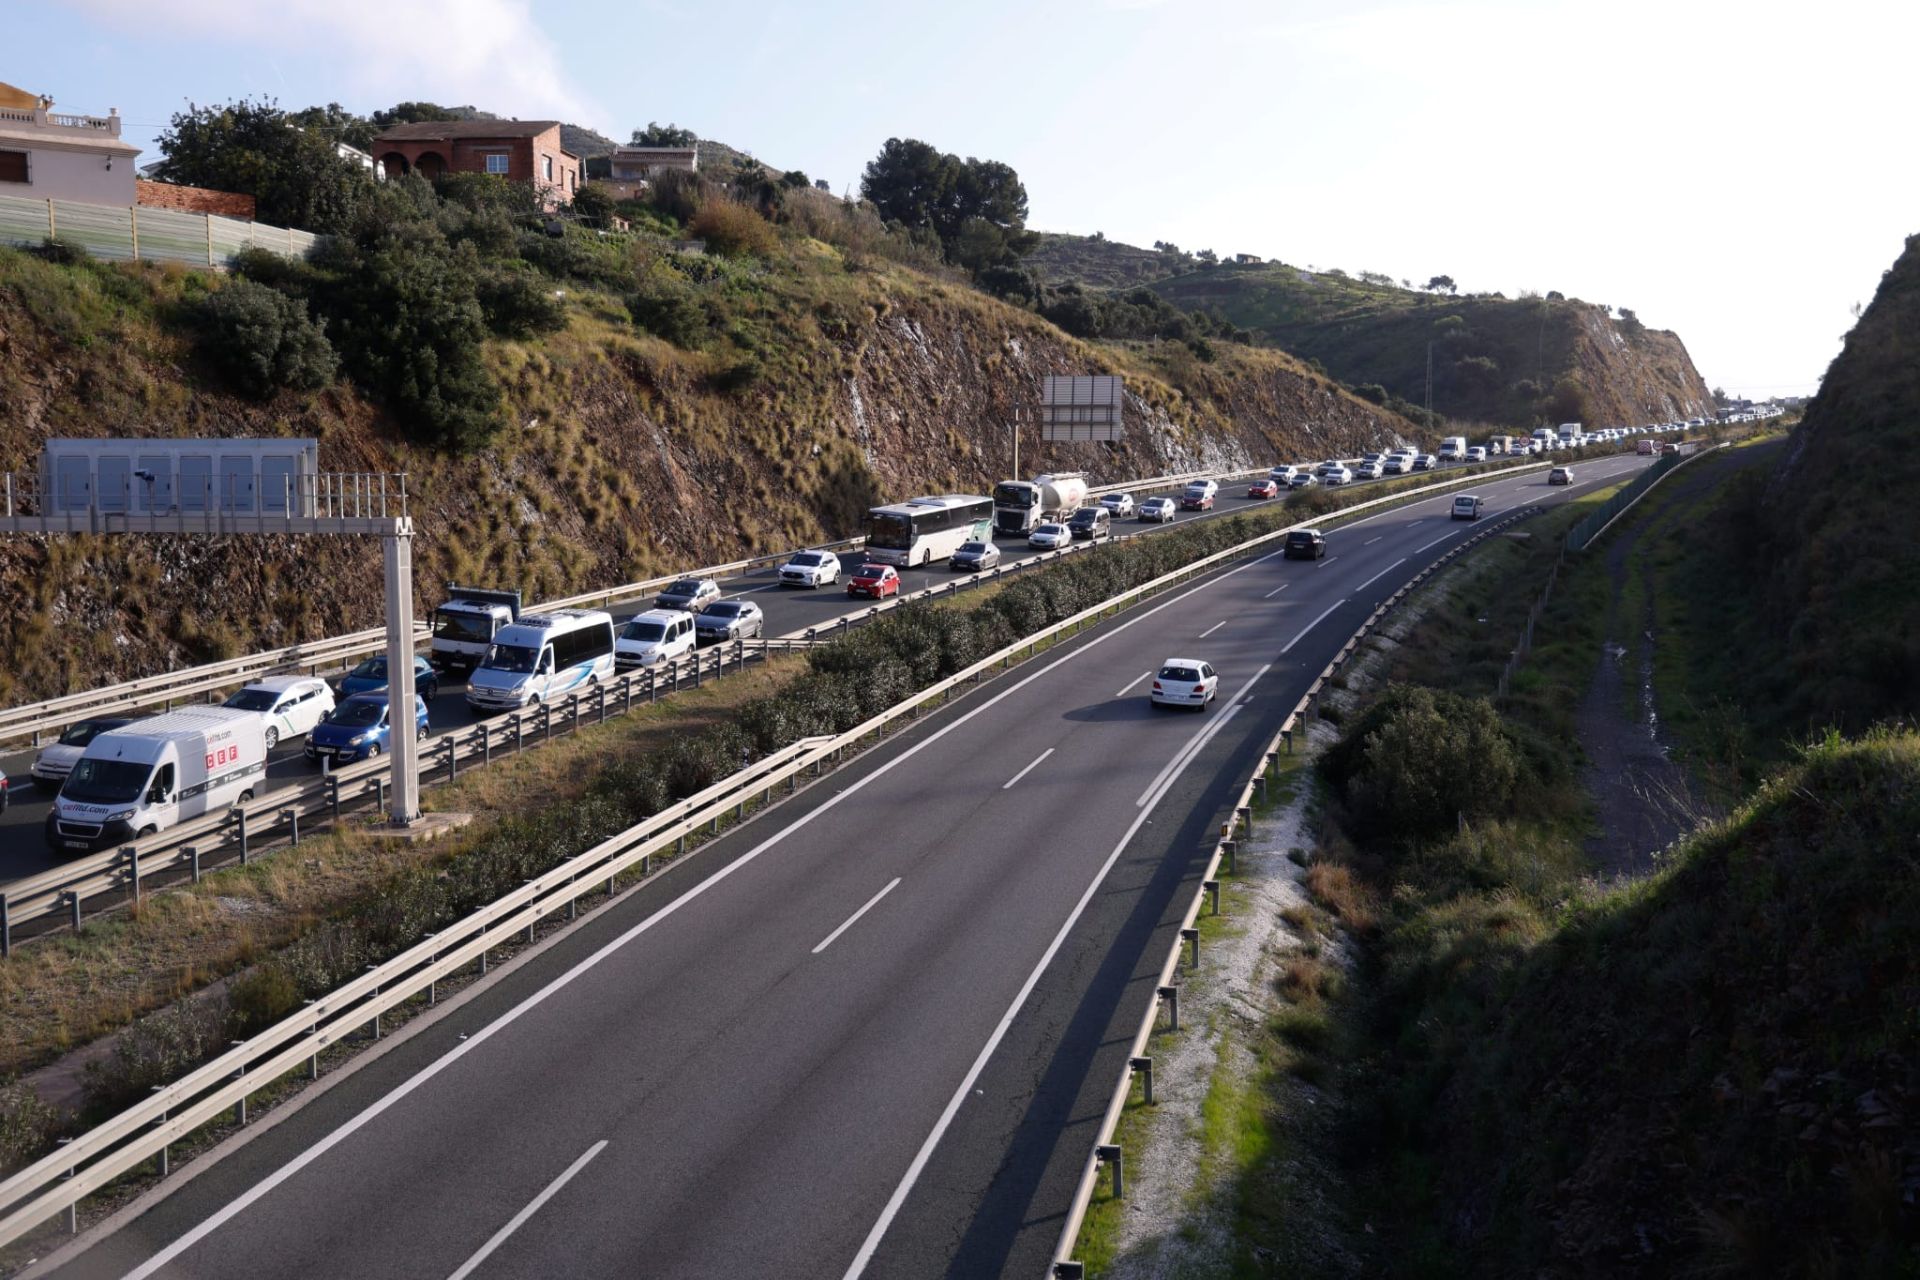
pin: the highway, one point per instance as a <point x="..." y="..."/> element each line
<point x="867" y="1033"/>
<point x="23" y="849"/>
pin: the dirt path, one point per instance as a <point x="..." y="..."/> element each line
<point x="1646" y="799"/>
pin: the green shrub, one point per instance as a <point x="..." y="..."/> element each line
<point x="263" y="340"/>
<point x="27" y="1125"/>
<point x="1419" y="758"/>
<point x="667" y="309"/>
<point x="156" y="1050"/>
<point x="733" y="229"/>
<point x="258" y="999"/>
<point x="519" y="305"/>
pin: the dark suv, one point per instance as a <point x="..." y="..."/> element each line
<point x="1091" y="523"/>
<point x="1305" y="544"/>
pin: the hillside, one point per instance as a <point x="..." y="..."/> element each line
<point x="842" y="380"/>
<point x="1833" y="535"/>
<point x="1519" y="362"/>
<point x="1772" y="973"/>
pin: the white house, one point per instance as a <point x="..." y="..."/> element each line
<point x="46" y="155"/>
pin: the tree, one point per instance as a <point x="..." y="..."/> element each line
<point x="416" y="113"/>
<point x="1438" y="283"/>
<point x="263" y="339"/>
<point x="593" y="205"/>
<point x="920" y="187"/>
<point x="336" y="122"/>
<point x="663" y="135"/>
<point x="793" y="179"/>
<point x="294" y="175"/>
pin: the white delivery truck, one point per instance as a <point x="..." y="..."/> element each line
<point x="465" y="624"/>
<point x="154" y="773"/>
<point x="1453" y="449"/>
<point x="1544" y="437"/>
<point x="1570" y="432"/>
<point x="1019" y="506"/>
<point x="542" y="658"/>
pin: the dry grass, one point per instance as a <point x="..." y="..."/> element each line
<point x="1334" y="886"/>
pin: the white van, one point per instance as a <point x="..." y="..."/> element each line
<point x="653" y="637"/>
<point x="144" y="778"/>
<point x="542" y="657"/>
<point x="1453" y="449"/>
<point x="1570" y="432"/>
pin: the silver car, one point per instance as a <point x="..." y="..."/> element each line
<point x="729" y="620"/>
<point x="1158" y="510"/>
<point x="972" y="557"/>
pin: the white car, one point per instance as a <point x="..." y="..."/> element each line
<point x="55" y="762"/>
<point x="1397" y="464"/>
<point x="1336" y="475"/>
<point x="1184" y="682"/>
<point x="1120" y="505"/>
<point x="1301" y="479"/>
<point x="289" y="706"/>
<point x="1477" y="454"/>
<point x="1425" y="462"/>
<point x="811" y="569"/>
<point x="1158" y="510"/>
<point x="1367" y="471"/>
<point x="1282" y="475"/>
<point x="1050" y="537"/>
<point x="653" y="637"/>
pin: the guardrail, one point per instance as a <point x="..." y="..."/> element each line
<point x="32" y="720"/>
<point x="59" y="1181"/>
<point x="202" y="844"/>
<point x="1106" y="1152"/>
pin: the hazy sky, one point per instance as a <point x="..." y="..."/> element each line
<point x="1739" y="172"/>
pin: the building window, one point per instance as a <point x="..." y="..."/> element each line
<point x="13" y="166"/>
<point x="547" y="167"/>
<point x="497" y="162"/>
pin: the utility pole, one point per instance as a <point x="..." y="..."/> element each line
<point x="1429" y="382"/>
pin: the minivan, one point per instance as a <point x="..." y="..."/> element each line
<point x="1466" y="507"/>
<point x="1091" y="523"/>
<point x="1198" y="496"/>
<point x="1305" y="544"/>
<point x="653" y="637"/>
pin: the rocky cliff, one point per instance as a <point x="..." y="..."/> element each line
<point x="627" y="457"/>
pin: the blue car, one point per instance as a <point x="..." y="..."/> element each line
<point x="358" y="729"/>
<point x="371" y="677"/>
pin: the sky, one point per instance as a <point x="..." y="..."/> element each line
<point x="1740" y="173"/>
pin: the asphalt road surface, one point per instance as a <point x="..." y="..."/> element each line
<point x="870" y="1032"/>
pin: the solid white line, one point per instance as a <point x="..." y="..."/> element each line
<point x="1008" y="785"/>
<point x="266" y="1185"/>
<point x="900" y="1193"/>
<point x="500" y="1236"/>
<point x="1311" y="625"/>
<point x="1215" y="627"/>
<point x="1276" y="591"/>
<point x="1370" y="541"/>
<point x="1194" y="743"/>
<point x="1436" y="542"/>
<point x="1324" y="563"/>
<point x="871" y="903"/>
<point x="1136" y="680"/>
<point x="1383" y="573"/>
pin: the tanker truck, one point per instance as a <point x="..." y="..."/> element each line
<point x="1021" y="505"/>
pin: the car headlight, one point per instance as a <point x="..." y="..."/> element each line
<point x="122" y="816"/>
<point x="357" y="739"/>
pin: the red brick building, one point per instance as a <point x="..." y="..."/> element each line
<point x="521" y="150"/>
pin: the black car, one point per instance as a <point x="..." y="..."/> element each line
<point x="1305" y="544"/>
<point x="1091" y="523"/>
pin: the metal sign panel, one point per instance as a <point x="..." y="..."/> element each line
<point x="1081" y="407"/>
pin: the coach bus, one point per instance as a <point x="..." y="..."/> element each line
<point x="922" y="530"/>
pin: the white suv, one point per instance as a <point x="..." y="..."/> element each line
<point x="289" y="706"/>
<point x="811" y="569"/>
<point x="653" y="637"/>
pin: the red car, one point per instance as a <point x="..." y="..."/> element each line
<point x="1263" y="489"/>
<point x="875" y="580"/>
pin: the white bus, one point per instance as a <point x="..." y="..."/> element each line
<point x="923" y="530"/>
<point x="543" y="657"/>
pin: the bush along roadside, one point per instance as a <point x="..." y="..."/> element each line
<point x="866" y="671"/>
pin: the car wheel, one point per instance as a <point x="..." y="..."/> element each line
<point x="373" y="749"/>
<point x="273" y="737"/>
<point x="144" y="832"/>
<point x="432" y="690"/>
<point x="246" y="797"/>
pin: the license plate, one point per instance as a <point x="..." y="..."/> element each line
<point x="74" y="844"/>
<point x="323" y="751"/>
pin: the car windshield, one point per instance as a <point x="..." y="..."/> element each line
<point x="253" y="700"/>
<point x="808" y="560"/>
<point x="722" y="609"/>
<point x="458" y="626"/>
<point x="515" y="658"/>
<point x="79" y="735"/>
<point x="1012" y="495"/>
<point x="1188" y="674"/>
<point x="889" y="529"/>
<point x="1088" y="516"/>
<point x="642" y="630"/>
<point x="372" y="669"/>
<point x="973" y="548"/>
<point x="871" y="571"/>
<point x="684" y="587"/>
<point x="1300" y="536"/>
<point x="106" y="781"/>
<point x="356" y="714"/>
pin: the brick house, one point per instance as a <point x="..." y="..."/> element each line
<point x="521" y="150"/>
<point x="45" y="155"/>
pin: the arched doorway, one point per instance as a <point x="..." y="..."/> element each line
<point x="395" y="164"/>
<point x="431" y="164"/>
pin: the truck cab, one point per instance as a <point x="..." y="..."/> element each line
<point x="143" y="778"/>
<point x="465" y="624"/>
